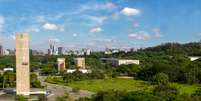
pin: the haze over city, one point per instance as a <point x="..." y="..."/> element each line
<point x="100" y="24"/>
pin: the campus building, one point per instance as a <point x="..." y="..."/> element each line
<point x="193" y="58"/>
<point x="80" y="62"/>
<point x="117" y="62"/>
<point x="61" y="64"/>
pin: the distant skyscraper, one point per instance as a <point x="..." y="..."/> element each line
<point x="49" y="52"/>
<point x="1" y="50"/>
<point x="22" y="64"/>
<point x="52" y="50"/>
<point x="60" y="50"/>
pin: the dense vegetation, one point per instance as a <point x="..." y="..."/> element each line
<point x="170" y="58"/>
<point x="162" y="91"/>
<point x="8" y="80"/>
<point x="158" y="65"/>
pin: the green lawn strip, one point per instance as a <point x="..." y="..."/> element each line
<point x="115" y="84"/>
<point x="186" y="88"/>
<point x="122" y="84"/>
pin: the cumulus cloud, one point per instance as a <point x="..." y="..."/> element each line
<point x="141" y="35"/>
<point x="136" y="25"/>
<point x="109" y="5"/>
<point x="2" y="21"/>
<point x="130" y="11"/>
<point x="96" y="30"/>
<point x="52" y="27"/>
<point x="98" y="19"/>
<point x="75" y="35"/>
<point x="157" y="33"/>
<point x="94" y="7"/>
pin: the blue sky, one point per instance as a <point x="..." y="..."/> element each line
<point x="98" y="24"/>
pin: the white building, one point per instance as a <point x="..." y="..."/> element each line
<point x="117" y="62"/>
<point x="193" y="58"/>
<point x="88" y="52"/>
<point x="81" y="70"/>
<point x="8" y="69"/>
<point x="6" y="52"/>
<point x="80" y="62"/>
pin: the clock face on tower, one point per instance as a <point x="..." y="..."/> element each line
<point x="24" y="63"/>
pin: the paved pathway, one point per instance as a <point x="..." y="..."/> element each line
<point x="59" y="90"/>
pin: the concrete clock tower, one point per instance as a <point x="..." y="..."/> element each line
<point x="22" y="64"/>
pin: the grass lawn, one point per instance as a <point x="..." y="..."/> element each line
<point x="124" y="84"/>
<point x="186" y="88"/>
<point x="116" y="84"/>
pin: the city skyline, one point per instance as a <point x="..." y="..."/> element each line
<point x="100" y="24"/>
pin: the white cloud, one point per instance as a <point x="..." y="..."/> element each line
<point x="2" y="21"/>
<point x="52" y="27"/>
<point x="109" y="5"/>
<point x="74" y="35"/>
<point x="96" y="30"/>
<point x="141" y="35"/>
<point x="41" y="19"/>
<point x="33" y="28"/>
<point x="157" y="33"/>
<point x="136" y="25"/>
<point x="94" y="7"/>
<point x="53" y="40"/>
<point x="45" y="18"/>
<point x="12" y="36"/>
<point x="104" y="40"/>
<point x="130" y="11"/>
<point x="98" y="19"/>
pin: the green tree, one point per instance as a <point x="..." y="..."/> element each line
<point x="9" y="79"/>
<point x="110" y="95"/>
<point x="42" y="98"/>
<point x="49" y="69"/>
<point x="140" y="96"/>
<point x="129" y="70"/>
<point x="35" y="83"/>
<point x="166" y="92"/>
<point x="160" y="79"/>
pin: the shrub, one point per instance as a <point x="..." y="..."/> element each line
<point x="160" y="79"/>
<point x="75" y="89"/>
<point x="20" y="98"/>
